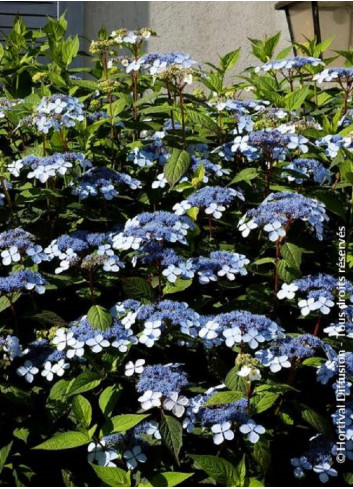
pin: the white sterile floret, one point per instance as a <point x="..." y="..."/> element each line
<point x="10" y="256"/>
<point x="176" y="404"/>
<point x="76" y="350"/>
<point x="232" y="336"/>
<point x="209" y="331"/>
<point x="150" y="399"/>
<point x="181" y="207"/>
<point x="215" y="210"/>
<point x="63" y="339"/>
<point x="221" y="432"/>
<point x="307" y="305"/>
<point x="28" y="371"/>
<point x="246" y="227"/>
<point x="287" y="291"/>
<point x="132" y="368"/>
<point x="133" y="457"/>
<point x="324" y="304"/>
<point x="161" y="181"/>
<point x="251" y="372"/>
<point x="275" y="230"/>
<point x="97" y="343"/>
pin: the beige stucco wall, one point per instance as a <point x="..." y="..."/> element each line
<point x="202" y="29"/>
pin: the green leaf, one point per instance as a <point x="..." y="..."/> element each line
<point x="4" y="453"/>
<point x="315" y="420"/>
<point x="64" y="441"/>
<point x="313" y="362"/>
<point x="178" y="286"/>
<point x="263" y="402"/>
<point x="240" y="473"/>
<point x="234" y="382"/>
<point x="108" y="399"/>
<point x="292" y="254"/>
<point x="245" y="175"/>
<point x="70" y="49"/>
<point x="118" y="106"/>
<point x="172" y="435"/>
<point x="224" y="398"/>
<point x="169" y="479"/>
<point x="137" y="288"/>
<point x="202" y="120"/>
<point x="230" y="59"/>
<point x="286" y="272"/>
<point x="82" y="410"/>
<point x="262" y="454"/>
<point x="5" y="303"/>
<point x="83" y="383"/>
<point x="295" y="100"/>
<point x="124" y="422"/>
<point x="99" y="318"/>
<point x="222" y="471"/>
<point x="112" y="476"/>
<point x="176" y="166"/>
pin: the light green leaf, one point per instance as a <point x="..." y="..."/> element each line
<point x="178" y="286"/>
<point x="169" y="479"/>
<point x="245" y="175"/>
<point x="172" y="435"/>
<point x="264" y="401"/>
<point x="295" y="100"/>
<point x="108" y="399"/>
<point x="118" y="106"/>
<point x="4" y="453"/>
<point x="176" y="166"/>
<point x="82" y="410"/>
<point x="83" y="383"/>
<point x="124" y="422"/>
<point x="222" y="471"/>
<point x="112" y="476"/>
<point x="234" y="382"/>
<point x="99" y="318"/>
<point x="292" y="254"/>
<point x="224" y="398"/>
<point x="64" y="441"/>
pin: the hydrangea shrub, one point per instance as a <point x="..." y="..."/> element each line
<point x="172" y="303"/>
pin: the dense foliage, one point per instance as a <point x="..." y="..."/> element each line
<point x="172" y="281"/>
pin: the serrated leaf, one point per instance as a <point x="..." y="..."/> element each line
<point x="245" y="175"/>
<point x="295" y="100"/>
<point x="176" y="166"/>
<point x="83" y="383"/>
<point x="137" y="288"/>
<point x="4" y="453"/>
<point x="316" y="420"/>
<point x="99" y="318"/>
<point x="64" y="441"/>
<point x="108" y="399"/>
<point x="263" y="402"/>
<point x="292" y="254"/>
<point x="222" y="471"/>
<point x="124" y="422"/>
<point x="286" y="272"/>
<point x="82" y="410"/>
<point x="262" y="454"/>
<point x="224" y="398"/>
<point x="169" y="479"/>
<point x="112" y="476"/>
<point x="178" y="286"/>
<point x="5" y="303"/>
<point x="172" y="435"/>
<point x="234" y="382"/>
